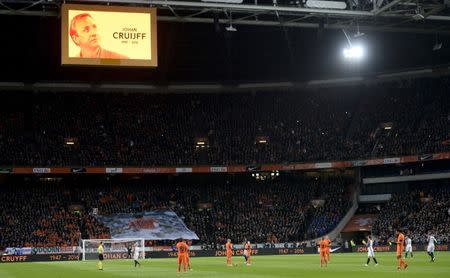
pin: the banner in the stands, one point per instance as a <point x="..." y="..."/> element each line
<point x="361" y="222"/>
<point x="149" y="225"/>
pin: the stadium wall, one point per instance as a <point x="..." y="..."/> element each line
<point x="201" y="253"/>
<point x="225" y="169"/>
<point x="393" y="248"/>
<point x="156" y="254"/>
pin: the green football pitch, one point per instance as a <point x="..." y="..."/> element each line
<point x="342" y="265"/>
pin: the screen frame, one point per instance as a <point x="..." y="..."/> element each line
<point x="66" y="60"/>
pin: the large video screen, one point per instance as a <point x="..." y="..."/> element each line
<point x="108" y="36"/>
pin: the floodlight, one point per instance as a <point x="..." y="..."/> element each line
<point x="353" y="52"/>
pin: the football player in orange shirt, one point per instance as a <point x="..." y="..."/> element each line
<point x="322" y="251"/>
<point x="328" y="247"/>
<point x="400" y="248"/>
<point x="188" y="259"/>
<point x="182" y="249"/>
<point x="229" y="248"/>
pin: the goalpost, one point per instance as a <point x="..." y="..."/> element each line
<point x="118" y="245"/>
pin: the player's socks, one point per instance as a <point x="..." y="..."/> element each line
<point x="406" y="255"/>
<point x="375" y="260"/>
<point x="368" y="261"/>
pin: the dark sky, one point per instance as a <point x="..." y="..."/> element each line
<point x="30" y="51"/>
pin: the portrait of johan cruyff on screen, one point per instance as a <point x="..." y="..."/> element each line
<point x="108" y="35"/>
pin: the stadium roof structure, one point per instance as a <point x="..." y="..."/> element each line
<point x="421" y="16"/>
<point x="102" y="87"/>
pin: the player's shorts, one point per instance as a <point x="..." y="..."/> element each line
<point x="323" y="254"/>
<point x="136" y="257"/>
<point x="430" y="248"/>
<point x="181" y="259"/>
<point x="100" y="257"/>
<point x="408" y="248"/>
<point x="246" y="253"/>
<point x="370" y="253"/>
<point x="229" y="254"/>
<point x="399" y="251"/>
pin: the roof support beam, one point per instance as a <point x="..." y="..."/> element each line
<point x="198" y="13"/>
<point x="386" y="7"/>
<point x="240" y="7"/>
<point x="307" y="25"/>
<point x="387" y="19"/>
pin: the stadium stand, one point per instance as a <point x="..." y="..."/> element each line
<point x="142" y="129"/>
<point x="423" y="209"/>
<point x="273" y="210"/>
<point x="150" y="130"/>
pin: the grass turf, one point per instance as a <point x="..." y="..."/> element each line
<point x="342" y="265"/>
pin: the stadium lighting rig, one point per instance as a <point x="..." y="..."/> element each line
<point x="230" y="27"/>
<point x="382" y="15"/>
<point x="437" y="44"/>
<point x="354" y="52"/>
<point x="418" y="14"/>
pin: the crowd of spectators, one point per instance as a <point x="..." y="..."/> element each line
<point x="246" y="128"/>
<point x="36" y="216"/>
<point x="422" y="210"/>
<point x="324" y="218"/>
<point x="142" y="129"/>
<point x="59" y="213"/>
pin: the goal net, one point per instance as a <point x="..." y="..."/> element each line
<point x="113" y="248"/>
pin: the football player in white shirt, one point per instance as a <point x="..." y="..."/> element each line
<point x="430" y="249"/>
<point x="408" y="248"/>
<point x="370" y="251"/>
<point x="136" y="255"/>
